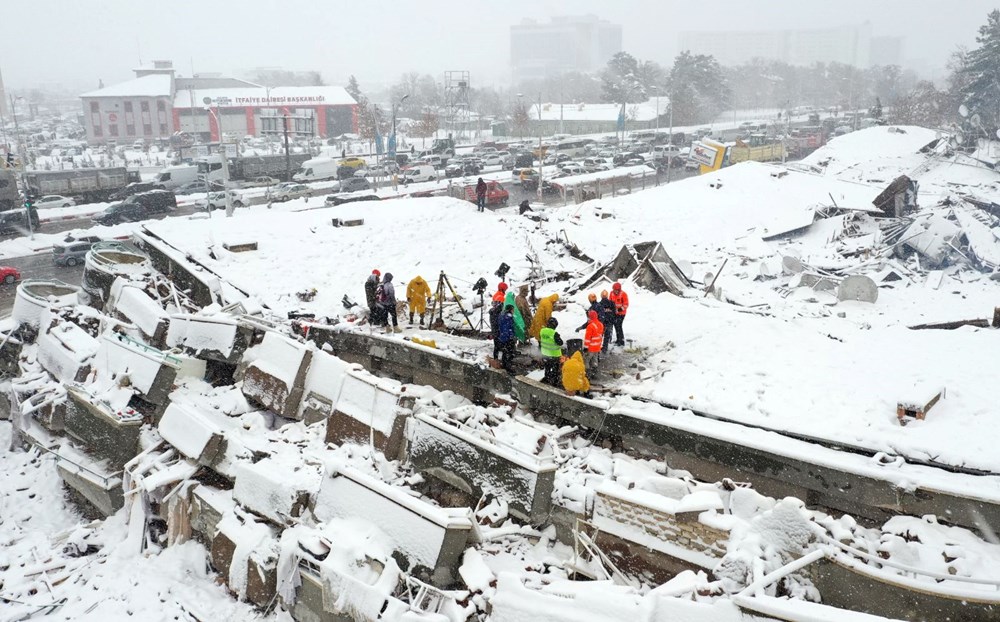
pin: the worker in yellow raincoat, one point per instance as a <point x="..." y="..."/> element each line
<point x="542" y="315"/>
<point x="418" y="294"/>
<point x="574" y="375"/>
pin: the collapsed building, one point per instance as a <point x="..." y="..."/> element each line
<point x="335" y="474"/>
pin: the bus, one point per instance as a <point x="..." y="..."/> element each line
<point x="573" y="147"/>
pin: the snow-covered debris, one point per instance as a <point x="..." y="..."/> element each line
<point x="278" y="488"/>
<point x="276" y="372"/>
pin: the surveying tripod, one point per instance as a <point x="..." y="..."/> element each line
<point x="438" y="303"/>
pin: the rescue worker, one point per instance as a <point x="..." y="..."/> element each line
<point x="371" y="285"/>
<point x="594" y="306"/>
<point x="620" y="300"/>
<point x="593" y="340"/>
<point x="574" y="375"/>
<point x="542" y="314"/>
<point x="481" y="194"/>
<point x="507" y="338"/>
<point x="607" y="316"/>
<point x="418" y="295"/>
<point x="385" y="300"/>
<point x="495" y="310"/>
<point x="520" y="328"/>
<point x="521" y="302"/>
<point x="501" y="292"/>
<point x="551" y="344"/>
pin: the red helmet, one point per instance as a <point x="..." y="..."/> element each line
<point x="617" y="287"/>
<point x="502" y="286"/>
<point x="376" y="272"/>
<point x="592" y="314"/>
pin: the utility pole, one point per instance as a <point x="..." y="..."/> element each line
<point x="541" y="154"/>
<point x="24" y="177"/>
<point x="561" y="113"/>
<point x="671" y="161"/>
<point x="288" y="156"/>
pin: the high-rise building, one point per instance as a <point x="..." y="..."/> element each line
<point x="850" y="45"/>
<point x="568" y="43"/>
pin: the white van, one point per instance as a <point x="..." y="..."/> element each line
<point x="317" y="169"/>
<point x="176" y="176"/>
<point x="423" y="172"/>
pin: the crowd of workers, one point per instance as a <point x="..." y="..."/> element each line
<point x="513" y="323"/>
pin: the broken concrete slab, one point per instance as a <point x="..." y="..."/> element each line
<point x="430" y="538"/>
<point x="648" y="265"/>
<point x="916" y="406"/>
<point x="277" y="490"/>
<point x="107" y="261"/>
<point x="476" y="464"/>
<point x="193" y="434"/>
<point x="66" y="351"/>
<point x="932" y="237"/>
<point x="213" y="337"/>
<point x="276" y="373"/>
<point x="130" y="303"/>
<point x="370" y="409"/>
<point x="93" y="480"/>
<point x="898" y="198"/>
<point x="150" y="372"/>
<point x="33" y="296"/>
<point x="107" y="434"/>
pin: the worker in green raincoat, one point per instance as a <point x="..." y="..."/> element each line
<point x="519" y="330"/>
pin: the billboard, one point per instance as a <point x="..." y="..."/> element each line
<point x="703" y="154"/>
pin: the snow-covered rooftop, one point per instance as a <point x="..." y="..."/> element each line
<point x="152" y="85"/>
<point x="645" y="111"/>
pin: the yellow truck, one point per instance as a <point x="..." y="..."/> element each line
<point x="710" y="155"/>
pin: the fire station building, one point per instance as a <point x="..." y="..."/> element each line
<point x="156" y="105"/>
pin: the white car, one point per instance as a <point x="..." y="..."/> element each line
<point x="217" y="200"/>
<point x="288" y="191"/>
<point x="54" y="200"/>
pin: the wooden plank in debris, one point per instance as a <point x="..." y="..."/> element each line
<point x="341" y="222"/>
<point x="917" y="409"/>
<point x="978" y="323"/>
<point x="239" y="247"/>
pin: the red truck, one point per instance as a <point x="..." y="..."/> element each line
<point x="495" y="193"/>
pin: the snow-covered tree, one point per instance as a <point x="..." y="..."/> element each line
<point x="620" y="80"/>
<point x="980" y="88"/>
<point x="698" y="88"/>
<point x="353" y="89"/>
<point x="922" y="105"/>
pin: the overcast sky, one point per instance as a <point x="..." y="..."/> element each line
<point x="74" y="43"/>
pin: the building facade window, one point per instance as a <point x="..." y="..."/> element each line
<point x="113" y="129"/>
<point x="95" y="119"/>
<point x="129" y="119"/>
<point x="161" y="116"/>
<point x="147" y="124"/>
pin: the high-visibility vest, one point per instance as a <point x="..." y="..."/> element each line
<point x="620" y="300"/>
<point x="547" y="341"/>
<point x="593" y="339"/>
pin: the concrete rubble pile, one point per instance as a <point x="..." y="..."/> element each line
<point x="333" y="493"/>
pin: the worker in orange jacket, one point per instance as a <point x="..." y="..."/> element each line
<point x="620" y="300"/>
<point x="501" y="293"/>
<point x="593" y="341"/>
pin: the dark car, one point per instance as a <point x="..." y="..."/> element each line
<point x="135" y="188"/>
<point x="156" y="201"/>
<point x="355" y="184"/>
<point x="345" y="172"/>
<point x="524" y="160"/>
<point x="195" y="187"/>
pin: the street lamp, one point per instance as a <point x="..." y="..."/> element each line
<point x="656" y="90"/>
<point x="392" y="139"/>
<point x="222" y="157"/>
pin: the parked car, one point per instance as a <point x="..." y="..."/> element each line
<point x="355" y="184"/>
<point x="572" y="168"/>
<point x="261" y="182"/>
<point x="194" y="187"/>
<point x="53" y="200"/>
<point x="592" y="165"/>
<point x="288" y="191"/>
<point x="9" y="275"/>
<point x="122" y="212"/>
<point x="136" y="187"/>
<point x="71" y="254"/>
<point x="465" y="167"/>
<point x="156" y="201"/>
<point x="420" y="173"/>
<point x="217" y="200"/>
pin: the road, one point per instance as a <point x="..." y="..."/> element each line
<point x="36" y="267"/>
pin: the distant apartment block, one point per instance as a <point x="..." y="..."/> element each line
<point x="851" y="45"/>
<point x="568" y="43"/>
